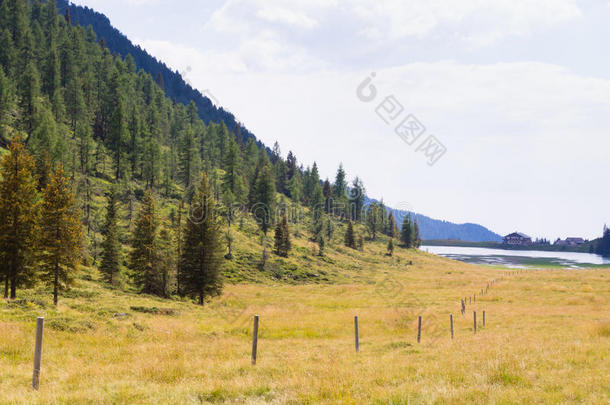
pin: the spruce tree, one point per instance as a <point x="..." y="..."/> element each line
<point x="356" y="200"/>
<point x="60" y="238"/>
<point x="416" y="235"/>
<point x="202" y="251"/>
<point x="350" y="239"/>
<point x="111" y="246"/>
<point x="321" y="245"/>
<point x="232" y="180"/>
<point x="391" y="247"/>
<point x="282" y="237"/>
<point x="340" y="186"/>
<point x="265" y="198"/>
<point x="19" y="211"/>
<point x="373" y="220"/>
<point x="407" y="232"/>
<point x="144" y="258"/>
<point x="392" y="228"/>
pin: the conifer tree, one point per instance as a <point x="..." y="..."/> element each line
<point x="350" y="239"/>
<point x="391" y="247"/>
<point x="373" y="220"/>
<point x="356" y="199"/>
<point x="232" y="179"/>
<point x="202" y="251"/>
<point x="19" y="210"/>
<point x="295" y="187"/>
<point x="416" y="235"/>
<point x="327" y="190"/>
<point x="407" y="233"/>
<point x="392" y="228"/>
<point x="265" y="198"/>
<point x="29" y="95"/>
<point x="60" y="238"/>
<point x="167" y="261"/>
<point x="282" y="237"/>
<point x="144" y="258"/>
<point x="321" y="244"/>
<point x="340" y="185"/>
<point x="111" y="246"/>
<point x="189" y="158"/>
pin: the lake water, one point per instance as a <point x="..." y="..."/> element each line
<point x="517" y="258"/>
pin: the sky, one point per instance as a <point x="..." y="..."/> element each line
<point x="492" y="112"/>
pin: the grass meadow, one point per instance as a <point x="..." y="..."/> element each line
<point x="546" y="339"/>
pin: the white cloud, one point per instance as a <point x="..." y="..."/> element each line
<point x="527" y="139"/>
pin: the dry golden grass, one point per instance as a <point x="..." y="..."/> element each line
<point x="546" y="340"/>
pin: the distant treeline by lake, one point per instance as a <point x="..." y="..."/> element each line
<point x="587" y="247"/>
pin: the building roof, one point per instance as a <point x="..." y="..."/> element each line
<point x="518" y="233"/>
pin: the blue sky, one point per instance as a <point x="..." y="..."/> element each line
<point x="517" y="92"/>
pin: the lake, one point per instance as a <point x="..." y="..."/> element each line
<point x="517" y="258"/>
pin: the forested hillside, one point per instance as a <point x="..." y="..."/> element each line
<point x="140" y="187"/>
<point x="172" y="82"/>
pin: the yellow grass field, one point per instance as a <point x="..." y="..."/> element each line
<point x="546" y="340"/>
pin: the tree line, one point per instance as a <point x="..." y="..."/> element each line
<point x="95" y="148"/>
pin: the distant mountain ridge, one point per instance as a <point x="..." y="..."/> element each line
<point x="436" y="229"/>
<point x="176" y="88"/>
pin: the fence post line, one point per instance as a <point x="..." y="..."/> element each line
<point x="38" y="353"/>
<point x="418" y="329"/>
<point x="451" y="321"/>
<point x="356" y="337"/>
<point x="254" y="339"/>
<point x="475" y="321"/>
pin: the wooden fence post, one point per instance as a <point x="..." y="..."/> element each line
<point x="38" y="353"/>
<point x="418" y="329"/>
<point x="451" y="321"/>
<point x="483" y="318"/>
<point x="255" y="339"/>
<point x="475" y="321"/>
<point x="356" y="334"/>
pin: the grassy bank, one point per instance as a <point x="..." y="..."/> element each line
<point x="546" y="339"/>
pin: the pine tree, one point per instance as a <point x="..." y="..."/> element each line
<point x="407" y="233"/>
<point x="111" y="246"/>
<point x="282" y="237"/>
<point x="19" y="210"/>
<point x="391" y="247"/>
<point x="167" y="261"/>
<point x="350" y="239"/>
<point x="356" y="200"/>
<point x="340" y="186"/>
<point x="416" y="236"/>
<point x="392" y="228"/>
<point x="295" y="188"/>
<point x="60" y="238"/>
<point x="265" y="198"/>
<point x="202" y="252"/>
<point x="232" y="179"/>
<point x="373" y="220"/>
<point x="118" y="136"/>
<point x="321" y="246"/>
<point x="29" y="96"/>
<point x="189" y="158"/>
<point x="144" y="257"/>
<point x="327" y="190"/>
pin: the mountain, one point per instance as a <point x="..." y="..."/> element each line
<point x="173" y="83"/>
<point x="436" y="229"/>
<point x="177" y="89"/>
